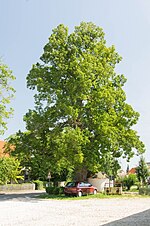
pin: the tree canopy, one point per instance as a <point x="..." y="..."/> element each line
<point x="6" y="94"/>
<point x="81" y="115"/>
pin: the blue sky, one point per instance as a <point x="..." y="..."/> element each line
<point x="25" y="26"/>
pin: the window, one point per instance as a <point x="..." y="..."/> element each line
<point x="88" y="185"/>
<point x="81" y="184"/>
<point x="71" y="184"/>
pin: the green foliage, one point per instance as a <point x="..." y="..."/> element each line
<point x="144" y="191"/>
<point x="10" y="170"/>
<point x="6" y="94"/>
<point x="142" y="171"/>
<point x="134" y="188"/>
<point x="26" y="146"/>
<point x="110" y="165"/>
<point x="55" y="190"/>
<point x="81" y="118"/>
<point x="97" y="196"/>
<point x="129" y="180"/>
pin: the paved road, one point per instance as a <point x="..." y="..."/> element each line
<point x="20" y="196"/>
<point x="27" y="210"/>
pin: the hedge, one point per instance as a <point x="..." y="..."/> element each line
<point x="144" y="191"/>
<point x="55" y="190"/>
<point x="38" y="185"/>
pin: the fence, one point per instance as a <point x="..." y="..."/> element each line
<point x="115" y="190"/>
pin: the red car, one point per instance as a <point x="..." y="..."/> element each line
<point x="79" y="188"/>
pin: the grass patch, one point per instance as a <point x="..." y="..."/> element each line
<point x="97" y="196"/>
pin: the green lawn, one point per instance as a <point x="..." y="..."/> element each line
<point x="98" y="196"/>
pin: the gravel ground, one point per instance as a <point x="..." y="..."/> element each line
<point x="24" y="210"/>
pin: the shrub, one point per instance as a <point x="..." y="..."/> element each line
<point x="55" y="190"/>
<point x="129" y="181"/>
<point x="144" y="191"/>
<point x="134" y="188"/>
<point x="38" y="185"/>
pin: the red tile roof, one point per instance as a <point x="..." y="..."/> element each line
<point x="2" y="144"/>
<point x="132" y="171"/>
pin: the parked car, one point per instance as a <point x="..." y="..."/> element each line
<point x="79" y="188"/>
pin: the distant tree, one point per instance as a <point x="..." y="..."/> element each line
<point x="6" y="94"/>
<point x="31" y="153"/>
<point x="142" y="171"/>
<point x="10" y="169"/>
<point x="129" y="180"/>
<point x="81" y="115"/>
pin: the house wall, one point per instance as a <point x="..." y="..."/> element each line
<point x="100" y="183"/>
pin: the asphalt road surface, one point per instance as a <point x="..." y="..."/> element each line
<point x="25" y="209"/>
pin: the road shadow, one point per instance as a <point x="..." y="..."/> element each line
<point x="139" y="219"/>
<point x="23" y="196"/>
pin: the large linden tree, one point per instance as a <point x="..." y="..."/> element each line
<point x="81" y="118"/>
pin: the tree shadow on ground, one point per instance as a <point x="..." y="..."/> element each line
<point x="139" y="219"/>
<point x="23" y="196"/>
